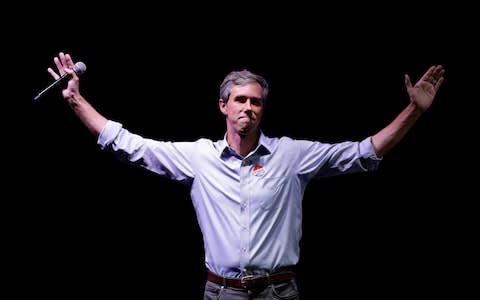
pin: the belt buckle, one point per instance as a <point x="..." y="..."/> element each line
<point x="244" y="280"/>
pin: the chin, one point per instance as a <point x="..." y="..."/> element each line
<point x="246" y="131"/>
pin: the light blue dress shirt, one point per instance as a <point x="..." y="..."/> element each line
<point x="249" y="208"/>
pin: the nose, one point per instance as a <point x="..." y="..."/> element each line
<point x="248" y="104"/>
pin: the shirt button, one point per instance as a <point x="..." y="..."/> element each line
<point x="244" y="249"/>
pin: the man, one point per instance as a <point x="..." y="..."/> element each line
<point x="247" y="189"/>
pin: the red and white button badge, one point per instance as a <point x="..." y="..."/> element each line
<point x="258" y="170"/>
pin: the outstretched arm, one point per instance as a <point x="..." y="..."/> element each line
<point x="421" y="96"/>
<point x="92" y="119"/>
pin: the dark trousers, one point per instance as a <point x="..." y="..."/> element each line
<point x="286" y="290"/>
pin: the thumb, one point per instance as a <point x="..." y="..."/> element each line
<point x="71" y="72"/>
<point x="408" y="83"/>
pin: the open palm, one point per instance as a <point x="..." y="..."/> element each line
<point x="424" y="91"/>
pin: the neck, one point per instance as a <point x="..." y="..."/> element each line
<point x="243" y="144"/>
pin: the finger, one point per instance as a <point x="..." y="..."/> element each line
<point x="54" y="75"/>
<point x="427" y="76"/>
<point x="408" y="83"/>
<point x="439" y="71"/>
<point x="59" y="65"/>
<point x="439" y="83"/>
<point x="63" y="59"/>
<point x="436" y="76"/>
<point x="69" y="61"/>
<point x="72" y="73"/>
<point x="69" y="71"/>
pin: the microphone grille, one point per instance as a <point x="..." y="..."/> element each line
<point x="80" y="68"/>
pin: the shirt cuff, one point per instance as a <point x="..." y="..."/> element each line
<point x="109" y="133"/>
<point x="367" y="150"/>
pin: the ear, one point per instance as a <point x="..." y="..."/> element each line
<point x="223" y="106"/>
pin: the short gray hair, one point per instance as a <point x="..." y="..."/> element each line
<point x="242" y="77"/>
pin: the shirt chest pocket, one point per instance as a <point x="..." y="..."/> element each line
<point x="269" y="191"/>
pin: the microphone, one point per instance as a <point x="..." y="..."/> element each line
<point x="79" y="68"/>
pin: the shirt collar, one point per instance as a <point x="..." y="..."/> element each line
<point x="264" y="146"/>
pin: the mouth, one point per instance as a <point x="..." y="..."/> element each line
<point x="246" y="117"/>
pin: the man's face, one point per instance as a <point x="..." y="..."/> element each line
<point x="244" y="108"/>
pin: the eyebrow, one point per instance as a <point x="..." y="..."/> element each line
<point x="244" y="98"/>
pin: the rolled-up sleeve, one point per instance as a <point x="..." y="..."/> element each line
<point x="169" y="159"/>
<point x="321" y="159"/>
<point x="366" y="149"/>
<point x="108" y="133"/>
<point x="369" y="159"/>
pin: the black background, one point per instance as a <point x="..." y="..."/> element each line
<point x="76" y="222"/>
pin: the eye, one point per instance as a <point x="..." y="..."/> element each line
<point x="253" y="100"/>
<point x="256" y="101"/>
<point x="241" y="99"/>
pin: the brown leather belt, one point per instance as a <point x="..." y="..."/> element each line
<point x="251" y="281"/>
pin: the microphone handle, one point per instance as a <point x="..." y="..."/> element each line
<point x="55" y="83"/>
